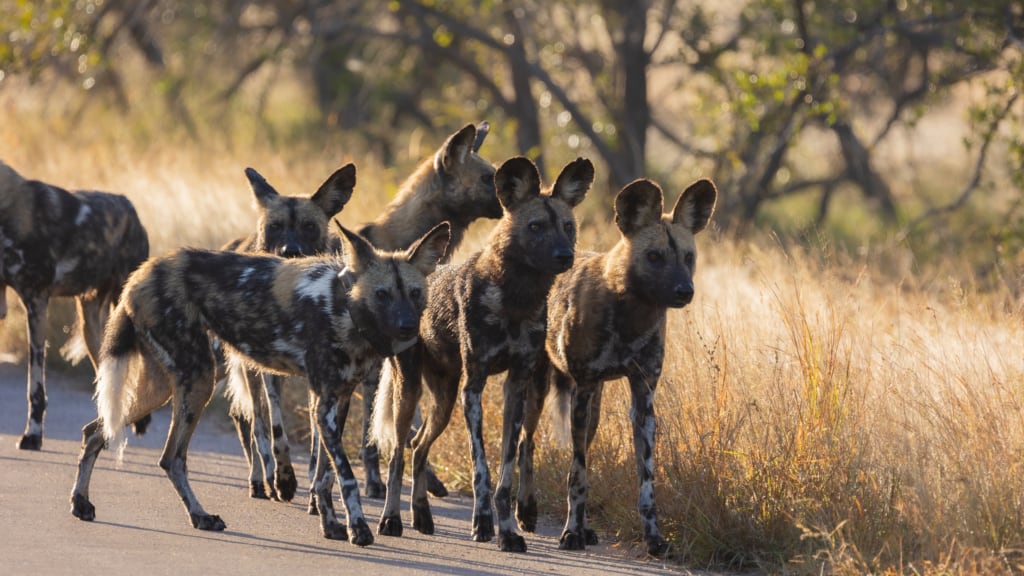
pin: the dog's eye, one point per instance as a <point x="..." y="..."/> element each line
<point x="535" y="226"/>
<point x="488" y="179"/>
<point x="382" y="294"/>
<point x="655" y="257"/>
<point x="308" y="226"/>
<point x="570" y="228"/>
<point x="415" y="293"/>
<point x="276" y="226"/>
<point x="690" y="259"/>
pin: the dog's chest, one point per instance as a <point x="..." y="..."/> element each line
<point x="500" y="335"/>
<point x="612" y="355"/>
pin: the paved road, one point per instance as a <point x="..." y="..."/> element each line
<point x="141" y="527"/>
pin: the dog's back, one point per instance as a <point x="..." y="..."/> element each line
<point x="66" y="243"/>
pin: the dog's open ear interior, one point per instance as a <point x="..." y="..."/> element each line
<point x="456" y="149"/>
<point x="695" y="205"/>
<point x="336" y="191"/>
<point x="357" y="252"/>
<point x="574" y="181"/>
<point x="262" y="189"/>
<point x="426" y="252"/>
<point x="638" y="205"/>
<point x="482" y="129"/>
<point x="517" y="180"/>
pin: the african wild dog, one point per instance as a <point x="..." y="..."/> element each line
<point x="606" y="320"/>
<point x="327" y="318"/>
<point x="454" y="185"/>
<point x="287" y="226"/>
<point x="486" y="316"/>
<point x="59" y="243"/>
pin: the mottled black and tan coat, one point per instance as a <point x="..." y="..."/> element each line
<point x="326" y="318"/>
<point x="454" y="185"/>
<point x="58" y="243"/>
<point x="486" y="316"/>
<point x="606" y="320"/>
<point x="290" y="227"/>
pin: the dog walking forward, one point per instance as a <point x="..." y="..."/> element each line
<point x="328" y="319"/>
<point x="486" y="316"/>
<point x="57" y="243"/>
<point x="606" y="320"/>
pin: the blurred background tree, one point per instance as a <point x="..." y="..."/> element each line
<point x="802" y="111"/>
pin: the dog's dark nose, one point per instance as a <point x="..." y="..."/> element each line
<point x="406" y="330"/>
<point x="564" y="257"/>
<point x="684" y="294"/>
<point x="290" y="251"/>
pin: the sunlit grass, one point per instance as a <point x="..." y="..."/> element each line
<point x="818" y="411"/>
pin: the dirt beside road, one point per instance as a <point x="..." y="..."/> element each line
<point x="142" y="528"/>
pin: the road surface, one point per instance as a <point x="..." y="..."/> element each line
<point x="142" y="528"/>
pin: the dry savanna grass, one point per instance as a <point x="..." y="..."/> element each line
<point x="815" y="415"/>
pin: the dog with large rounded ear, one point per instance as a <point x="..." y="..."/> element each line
<point x="517" y="180"/>
<point x="426" y="252"/>
<point x="574" y="181"/>
<point x="695" y="205"/>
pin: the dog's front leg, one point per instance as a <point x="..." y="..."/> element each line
<point x="642" y="413"/>
<point x="472" y="405"/>
<point x="35" y="311"/>
<point x="331" y="408"/>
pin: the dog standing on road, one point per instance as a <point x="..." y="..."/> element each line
<point x="606" y="320"/>
<point x="289" y="227"/>
<point x="329" y="319"/>
<point x="58" y="243"/>
<point x="486" y="316"/>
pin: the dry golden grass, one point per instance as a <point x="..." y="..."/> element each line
<point x="814" y="414"/>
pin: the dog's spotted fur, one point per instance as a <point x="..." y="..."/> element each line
<point x="486" y="316"/>
<point x="290" y="227"/>
<point x="606" y="320"/>
<point x="59" y="243"/>
<point x="454" y="185"/>
<point x="326" y="318"/>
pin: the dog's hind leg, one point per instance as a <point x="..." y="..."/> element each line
<point x="369" y="453"/>
<point x="284" y="479"/>
<point x="35" y="311"/>
<point x="191" y="393"/>
<point x="92" y="443"/>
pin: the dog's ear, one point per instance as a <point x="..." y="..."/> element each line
<point x="357" y="252"/>
<point x="482" y="129"/>
<point x="695" y="205"/>
<point x="336" y="191"/>
<point x="263" y="191"/>
<point x="517" y="180"/>
<point x="574" y="181"/>
<point x="426" y="252"/>
<point x="455" y="150"/>
<point x="639" y="204"/>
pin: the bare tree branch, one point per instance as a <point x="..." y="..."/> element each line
<point x="975" y="180"/>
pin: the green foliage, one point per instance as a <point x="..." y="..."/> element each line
<point x="36" y="33"/>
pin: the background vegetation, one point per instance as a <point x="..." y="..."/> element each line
<point x="846" y="391"/>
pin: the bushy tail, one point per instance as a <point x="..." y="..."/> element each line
<point x="115" y="384"/>
<point x="75" y="348"/>
<point x="382" y="429"/>
<point x="237" y="392"/>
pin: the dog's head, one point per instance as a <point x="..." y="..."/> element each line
<point x="539" y="229"/>
<point x="467" y="178"/>
<point x="387" y="291"/>
<point x="291" y="226"/>
<point x="657" y="254"/>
